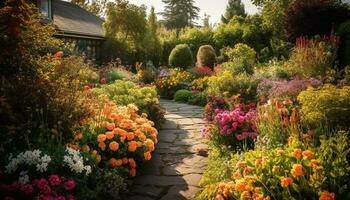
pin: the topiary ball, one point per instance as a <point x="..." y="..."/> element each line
<point x="206" y="56"/>
<point x="182" y="96"/>
<point x="181" y="56"/>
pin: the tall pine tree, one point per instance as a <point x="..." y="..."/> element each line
<point x="179" y="13"/>
<point x="234" y="7"/>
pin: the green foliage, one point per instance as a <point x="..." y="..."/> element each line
<point x="226" y="84"/>
<point x="198" y="98"/>
<point x="234" y="8"/>
<point x="179" y="14"/>
<point x="312" y="58"/>
<point x="127" y="24"/>
<point x="181" y="56"/>
<point x="247" y="30"/>
<point x="196" y="37"/>
<point x="182" y="95"/>
<point x="241" y="58"/>
<point x="127" y="92"/>
<point x="328" y="105"/>
<point x="152" y="42"/>
<point x="146" y="73"/>
<point x="206" y="56"/>
<point x="344" y="51"/>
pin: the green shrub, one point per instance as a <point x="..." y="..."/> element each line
<point x="344" y="51"/>
<point x="181" y="57"/>
<point x="199" y="98"/>
<point x="226" y="84"/>
<point x="329" y="104"/>
<point x="206" y="56"/>
<point x="241" y="59"/>
<point x="182" y="95"/>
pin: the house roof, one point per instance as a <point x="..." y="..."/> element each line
<point x="70" y="19"/>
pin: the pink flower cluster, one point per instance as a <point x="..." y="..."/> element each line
<point x="42" y="189"/>
<point x="204" y="71"/>
<point x="237" y="122"/>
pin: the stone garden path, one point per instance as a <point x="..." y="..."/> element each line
<point x="179" y="159"/>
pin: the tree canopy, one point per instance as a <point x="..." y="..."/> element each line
<point x="179" y="13"/>
<point x="234" y="7"/>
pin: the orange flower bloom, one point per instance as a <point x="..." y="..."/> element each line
<point x="226" y="192"/>
<point x="132" y="146"/>
<point x="132" y="163"/>
<point x="112" y="163"/>
<point x="308" y="154"/>
<point x="241" y="164"/>
<point x="73" y="146"/>
<point x="125" y="161"/>
<point x="315" y="163"/>
<point x="147" y="155"/>
<point x="86" y="148"/>
<point x="110" y="126"/>
<point x="297" y="170"/>
<point x="78" y="136"/>
<point x="219" y="197"/>
<point x="114" y="146"/>
<point x="245" y="195"/>
<point x="327" y="196"/>
<point x="94" y="152"/>
<point x="130" y="136"/>
<point x="142" y="137"/>
<point x="237" y="175"/>
<point x="132" y="172"/>
<point x="102" y="146"/>
<point x="286" y="181"/>
<point x="297" y="153"/>
<point x="109" y="135"/>
<point x="258" y="190"/>
<point x="101" y="138"/>
<point x="258" y="162"/>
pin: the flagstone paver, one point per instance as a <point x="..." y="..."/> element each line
<point x="178" y="162"/>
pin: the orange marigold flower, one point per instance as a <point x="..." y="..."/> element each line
<point x="73" y="146"/>
<point x="240" y="186"/>
<point x="237" y="175"/>
<point x="102" y="146"/>
<point x="112" y="163"/>
<point x="248" y="169"/>
<point x="241" y="164"/>
<point x="245" y="195"/>
<point x="297" y="170"/>
<point x="125" y="161"/>
<point x="132" y="146"/>
<point x="258" y="162"/>
<point x="315" y="163"/>
<point x="142" y="137"/>
<point x="94" y="152"/>
<point x="132" y="172"/>
<point x="297" y="153"/>
<point x="101" y="138"/>
<point x="109" y="135"/>
<point x="130" y="136"/>
<point x="147" y="155"/>
<point x="226" y="192"/>
<point x="132" y="163"/>
<point x="308" y="154"/>
<point x="110" y="126"/>
<point x="119" y="162"/>
<point x="286" y="181"/>
<point x="78" y="136"/>
<point x="258" y="190"/>
<point x="327" y="196"/>
<point x="114" y="146"/>
<point x="86" y="148"/>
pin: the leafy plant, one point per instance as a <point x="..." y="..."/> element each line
<point x="182" y="95"/>
<point x="181" y="57"/>
<point x="206" y="56"/>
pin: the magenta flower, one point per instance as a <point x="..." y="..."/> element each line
<point x="54" y="180"/>
<point x="239" y="137"/>
<point x="69" y="185"/>
<point x="27" y="189"/>
<point x="41" y="183"/>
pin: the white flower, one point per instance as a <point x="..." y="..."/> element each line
<point x="23" y="177"/>
<point x="28" y="158"/>
<point x="75" y="161"/>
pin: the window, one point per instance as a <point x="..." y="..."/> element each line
<point x="46" y="8"/>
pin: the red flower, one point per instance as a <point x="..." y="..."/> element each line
<point x="41" y="183"/>
<point x="59" y="54"/>
<point x="27" y="189"/>
<point x="69" y="185"/>
<point x="54" y="180"/>
<point x="103" y="81"/>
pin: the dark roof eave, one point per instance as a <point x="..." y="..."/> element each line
<point x="66" y="33"/>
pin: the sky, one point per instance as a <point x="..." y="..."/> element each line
<point x="214" y="8"/>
